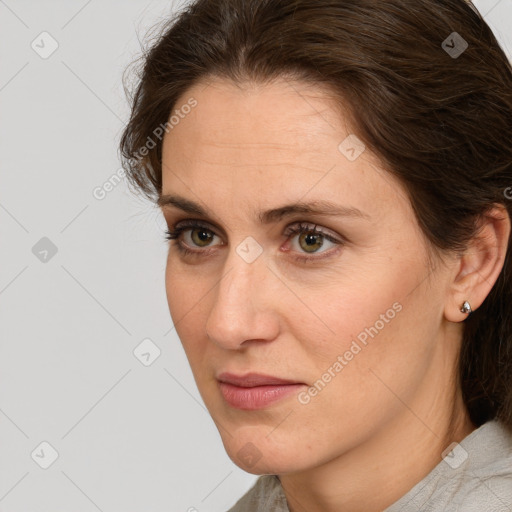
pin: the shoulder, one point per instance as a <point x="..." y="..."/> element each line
<point x="484" y="482"/>
<point x="476" y="477"/>
<point x="266" y="495"/>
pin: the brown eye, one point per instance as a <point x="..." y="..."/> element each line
<point x="201" y="237"/>
<point x="311" y="241"/>
<point x="305" y="238"/>
<point x="192" y="236"/>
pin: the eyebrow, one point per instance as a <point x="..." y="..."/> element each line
<point x="319" y="207"/>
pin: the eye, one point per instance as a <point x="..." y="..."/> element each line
<point x="199" y="236"/>
<point x="310" y="239"/>
<point x="194" y="234"/>
<point x="194" y="238"/>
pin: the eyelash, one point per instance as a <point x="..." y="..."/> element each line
<point x="291" y="230"/>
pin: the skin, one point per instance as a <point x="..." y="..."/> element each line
<point x="381" y="424"/>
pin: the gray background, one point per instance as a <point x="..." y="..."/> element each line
<point x="129" y="437"/>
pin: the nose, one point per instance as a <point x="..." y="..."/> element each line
<point x="243" y="308"/>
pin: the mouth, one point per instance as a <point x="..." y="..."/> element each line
<point x="255" y="391"/>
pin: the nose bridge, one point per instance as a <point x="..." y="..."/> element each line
<point x="238" y="312"/>
<point x="237" y="284"/>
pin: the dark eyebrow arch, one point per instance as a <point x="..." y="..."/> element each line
<point x="269" y="216"/>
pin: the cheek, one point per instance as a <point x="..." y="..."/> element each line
<point x="383" y="348"/>
<point x="185" y="285"/>
<point x="377" y="323"/>
<point x="356" y="310"/>
<point x="186" y="296"/>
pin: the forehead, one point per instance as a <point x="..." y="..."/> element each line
<point x="269" y="142"/>
<point x="250" y="113"/>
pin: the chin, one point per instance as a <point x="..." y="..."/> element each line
<point x="252" y="449"/>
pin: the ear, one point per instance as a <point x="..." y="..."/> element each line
<point x="479" y="267"/>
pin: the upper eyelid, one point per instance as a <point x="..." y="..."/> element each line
<point x="312" y="226"/>
<point x="190" y="223"/>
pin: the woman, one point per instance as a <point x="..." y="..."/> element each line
<point x="335" y="176"/>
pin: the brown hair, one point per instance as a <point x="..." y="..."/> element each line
<point x="439" y="121"/>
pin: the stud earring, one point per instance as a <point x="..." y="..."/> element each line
<point x="466" y="308"/>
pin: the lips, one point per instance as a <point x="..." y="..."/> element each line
<point x="255" y="391"/>
<point x="251" y="380"/>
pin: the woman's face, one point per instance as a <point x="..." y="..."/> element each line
<point x="351" y="314"/>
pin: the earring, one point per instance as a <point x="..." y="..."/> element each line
<point x="466" y="308"/>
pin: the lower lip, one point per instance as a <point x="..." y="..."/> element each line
<point x="257" y="397"/>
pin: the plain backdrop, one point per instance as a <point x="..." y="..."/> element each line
<point x="90" y="419"/>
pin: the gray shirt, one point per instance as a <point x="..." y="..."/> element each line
<point x="475" y="476"/>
